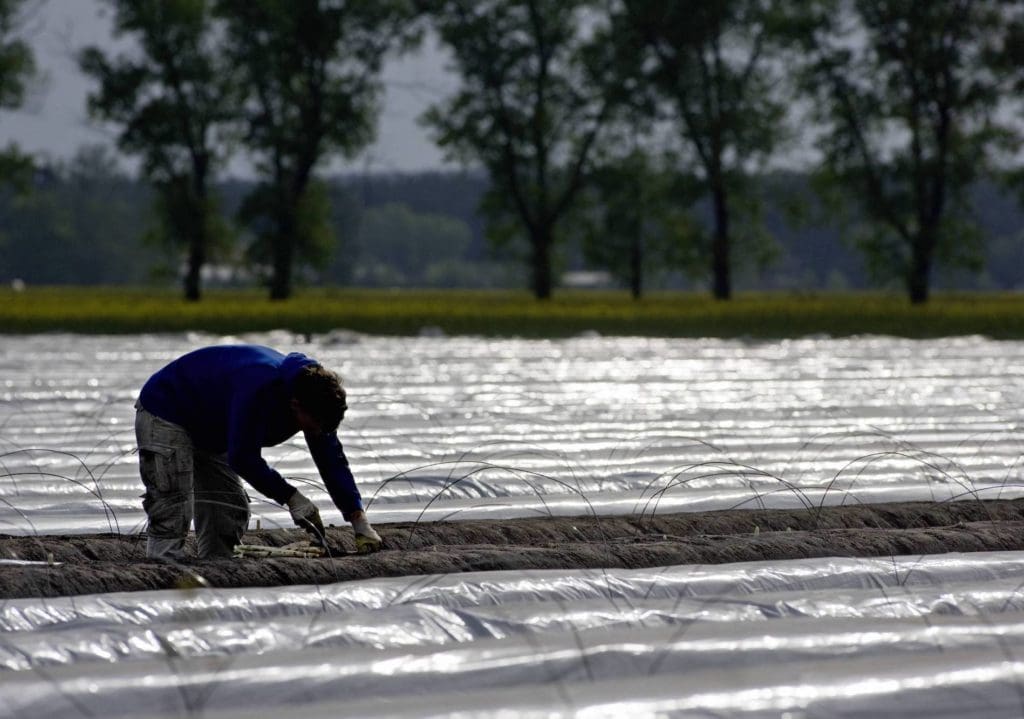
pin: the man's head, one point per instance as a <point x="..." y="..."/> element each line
<point x="318" y="399"/>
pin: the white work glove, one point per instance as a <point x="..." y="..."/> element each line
<point x="367" y="540"/>
<point x="307" y="516"/>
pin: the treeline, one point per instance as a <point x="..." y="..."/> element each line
<point x="87" y="223"/>
<point x="634" y="136"/>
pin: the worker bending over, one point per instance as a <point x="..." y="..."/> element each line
<point x="201" y="423"/>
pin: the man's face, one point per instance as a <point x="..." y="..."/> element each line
<point x="305" y="420"/>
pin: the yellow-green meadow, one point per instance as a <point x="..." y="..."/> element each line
<point x="509" y="313"/>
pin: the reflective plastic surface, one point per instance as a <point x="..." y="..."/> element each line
<point x="465" y="427"/>
<point x="749" y="639"/>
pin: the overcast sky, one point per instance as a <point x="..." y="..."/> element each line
<point x="54" y="123"/>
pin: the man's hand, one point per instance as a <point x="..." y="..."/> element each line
<point x="307" y="516"/>
<point x="367" y="540"/>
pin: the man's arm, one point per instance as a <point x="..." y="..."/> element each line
<point x="245" y="434"/>
<point x="245" y="456"/>
<point x="332" y="464"/>
<point x="341" y="485"/>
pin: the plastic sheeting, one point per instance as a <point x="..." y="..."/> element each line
<point x="459" y="428"/>
<point x="423" y="625"/>
<point x="563" y="587"/>
<point x="949" y="685"/>
<point x="310" y="676"/>
<point x="470" y="428"/>
<point x="751" y="638"/>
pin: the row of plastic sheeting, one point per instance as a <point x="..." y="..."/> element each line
<point x="661" y="496"/>
<point x="941" y="634"/>
<point x="459" y="428"/>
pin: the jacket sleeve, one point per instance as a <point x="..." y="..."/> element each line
<point x="245" y="432"/>
<point x="334" y="470"/>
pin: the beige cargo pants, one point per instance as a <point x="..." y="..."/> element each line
<point x="183" y="481"/>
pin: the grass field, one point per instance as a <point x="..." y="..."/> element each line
<point x="509" y="313"/>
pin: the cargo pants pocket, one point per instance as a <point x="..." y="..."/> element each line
<point x="167" y="475"/>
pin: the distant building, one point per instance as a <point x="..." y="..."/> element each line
<point x="588" y="280"/>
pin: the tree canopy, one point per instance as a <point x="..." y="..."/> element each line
<point x="17" y="72"/>
<point x="711" y="62"/>
<point x="530" y="109"/>
<point x="908" y="117"/>
<point x="173" y="99"/>
<point x="312" y="73"/>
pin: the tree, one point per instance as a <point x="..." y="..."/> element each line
<point x="710" y="61"/>
<point x="312" y="68"/>
<point x="530" y="109"/>
<point x="634" y="224"/>
<point x="173" y="97"/>
<point x="17" y="70"/>
<point x="905" y="94"/>
<point x="1008" y="61"/>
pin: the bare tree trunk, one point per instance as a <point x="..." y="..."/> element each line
<point x="196" y="207"/>
<point x="196" y="259"/>
<point x="636" y="242"/>
<point x="720" y="270"/>
<point x="919" y="274"/>
<point x="636" y="263"/>
<point x="283" y="255"/>
<point x="541" y="263"/>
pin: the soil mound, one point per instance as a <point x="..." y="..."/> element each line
<point x="88" y="564"/>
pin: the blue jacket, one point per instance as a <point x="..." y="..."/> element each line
<point x="235" y="400"/>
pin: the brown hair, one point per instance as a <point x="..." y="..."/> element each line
<point x="319" y="392"/>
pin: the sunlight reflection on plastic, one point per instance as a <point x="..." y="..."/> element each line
<point x="459" y="428"/>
